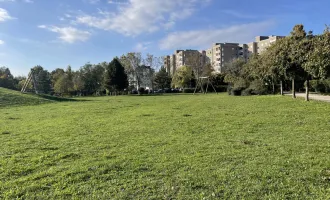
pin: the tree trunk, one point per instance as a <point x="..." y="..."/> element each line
<point x="282" y="88"/>
<point x="273" y="88"/>
<point x="293" y="90"/>
<point x="307" y="90"/>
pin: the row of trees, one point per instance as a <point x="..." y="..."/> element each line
<point x="299" y="57"/>
<point x="127" y="72"/>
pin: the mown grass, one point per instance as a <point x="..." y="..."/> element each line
<point x="166" y="147"/>
<point x="15" y="98"/>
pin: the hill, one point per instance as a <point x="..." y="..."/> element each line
<point x="16" y="98"/>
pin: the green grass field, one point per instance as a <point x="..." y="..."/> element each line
<point x="165" y="147"/>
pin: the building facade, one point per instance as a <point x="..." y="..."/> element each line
<point x="221" y="53"/>
<point x="184" y="58"/>
<point x="263" y="42"/>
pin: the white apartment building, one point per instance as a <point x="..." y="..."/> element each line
<point x="184" y="58"/>
<point x="221" y="53"/>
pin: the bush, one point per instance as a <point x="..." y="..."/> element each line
<point x="247" y="92"/>
<point x="257" y="87"/>
<point x="321" y="86"/>
<point x="188" y="90"/>
<point x="141" y="90"/>
<point x="236" y="91"/>
<point x="220" y="88"/>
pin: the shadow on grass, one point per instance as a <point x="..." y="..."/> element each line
<point x="59" y="99"/>
<point x="162" y="94"/>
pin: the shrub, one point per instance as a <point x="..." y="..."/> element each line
<point x="247" y="92"/>
<point x="141" y="90"/>
<point x="220" y="88"/>
<point x="257" y="87"/>
<point x="188" y="90"/>
<point x="236" y="91"/>
<point x="321" y="86"/>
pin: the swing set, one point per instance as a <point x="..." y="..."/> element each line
<point x="201" y="81"/>
<point x="31" y="78"/>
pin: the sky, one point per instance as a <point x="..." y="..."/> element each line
<point x="58" y="33"/>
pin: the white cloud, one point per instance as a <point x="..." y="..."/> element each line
<point x="242" y="33"/>
<point x="1" y="42"/>
<point x="4" y="15"/>
<point x="92" y="1"/>
<point x="25" y="1"/>
<point x="68" y="34"/>
<point x="141" y="46"/>
<point x="134" y="17"/>
<point x="236" y="14"/>
<point x="118" y="2"/>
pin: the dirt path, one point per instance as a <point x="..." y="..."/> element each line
<point x="317" y="97"/>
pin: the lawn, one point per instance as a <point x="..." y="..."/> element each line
<point x="166" y="147"/>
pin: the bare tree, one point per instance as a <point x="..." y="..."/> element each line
<point x="154" y="63"/>
<point x="131" y="62"/>
<point x="194" y="59"/>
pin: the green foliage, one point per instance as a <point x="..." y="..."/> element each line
<point x="321" y="86"/>
<point x="298" y="57"/>
<point x="182" y="77"/>
<point x="42" y="78"/>
<point x="162" y="79"/>
<point x="6" y="78"/>
<point x="63" y="85"/>
<point x="257" y="87"/>
<point x="115" y="78"/>
<point x="93" y="77"/>
<point x="233" y="71"/>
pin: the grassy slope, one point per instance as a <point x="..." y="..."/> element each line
<point x="163" y="147"/>
<point x="14" y="98"/>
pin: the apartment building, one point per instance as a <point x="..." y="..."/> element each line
<point x="261" y="44"/>
<point x="243" y="51"/>
<point x="184" y="58"/>
<point x="221" y="53"/>
<point x="167" y="63"/>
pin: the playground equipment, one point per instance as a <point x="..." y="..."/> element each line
<point x="201" y="81"/>
<point x="31" y="77"/>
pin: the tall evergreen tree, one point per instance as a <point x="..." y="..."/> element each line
<point x="163" y="79"/>
<point x="115" y="78"/>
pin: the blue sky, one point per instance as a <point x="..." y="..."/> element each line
<point x="58" y="33"/>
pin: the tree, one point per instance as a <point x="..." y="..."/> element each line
<point x="42" y="79"/>
<point x="194" y="60"/>
<point x="207" y="70"/>
<point x="296" y="55"/>
<point x="317" y="57"/>
<point x="233" y="70"/>
<point x="153" y="62"/>
<point x="182" y="77"/>
<point x="78" y="83"/>
<point x="115" y="78"/>
<point x="56" y="74"/>
<point x="21" y="83"/>
<point x="132" y="62"/>
<point x="162" y="79"/>
<point x="92" y="76"/>
<point x="63" y="85"/>
<point x="6" y="78"/>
